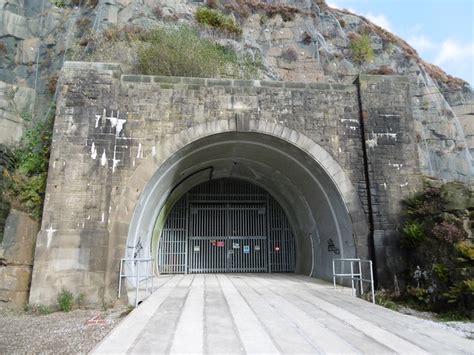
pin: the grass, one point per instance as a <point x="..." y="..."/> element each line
<point x="361" y="47"/>
<point x="217" y="20"/>
<point x="182" y="52"/>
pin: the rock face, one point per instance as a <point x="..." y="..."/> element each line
<point x="16" y="257"/>
<point x="36" y="37"/>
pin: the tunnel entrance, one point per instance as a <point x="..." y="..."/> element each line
<point x="226" y="225"/>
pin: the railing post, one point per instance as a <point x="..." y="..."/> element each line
<point x="120" y="278"/>
<point x="352" y="277"/>
<point x="334" y="272"/>
<point x="361" y="283"/>
<point x="146" y="277"/>
<point x="137" y="285"/>
<point x="372" y="281"/>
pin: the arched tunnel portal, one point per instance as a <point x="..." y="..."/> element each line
<point x="309" y="192"/>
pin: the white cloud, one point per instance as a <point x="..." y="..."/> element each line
<point x="336" y="6"/>
<point x="421" y="43"/>
<point x="380" y="20"/>
<point x="452" y="52"/>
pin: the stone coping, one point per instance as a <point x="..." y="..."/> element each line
<point x="171" y="81"/>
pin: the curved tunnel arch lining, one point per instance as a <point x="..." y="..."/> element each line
<point x="301" y="198"/>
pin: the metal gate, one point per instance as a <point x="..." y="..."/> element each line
<point x="226" y="225"/>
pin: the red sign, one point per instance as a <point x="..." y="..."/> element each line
<point x="220" y="243"/>
<point x="277" y="248"/>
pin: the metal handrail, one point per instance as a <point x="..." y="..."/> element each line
<point x="139" y="278"/>
<point x="355" y="277"/>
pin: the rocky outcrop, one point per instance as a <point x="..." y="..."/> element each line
<point x="313" y="44"/>
<point x="16" y="257"/>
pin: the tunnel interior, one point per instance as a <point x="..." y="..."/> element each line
<point x="295" y="182"/>
<point x="226" y="225"/>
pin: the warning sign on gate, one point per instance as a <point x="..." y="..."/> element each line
<point x="213" y="243"/>
<point x="197" y="248"/>
<point x="277" y="248"/>
<point x="236" y="245"/>
<point x="220" y="243"/>
<point x="246" y="249"/>
<point x="256" y="247"/>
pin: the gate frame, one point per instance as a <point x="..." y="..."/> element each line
<point x="187" y="201"/>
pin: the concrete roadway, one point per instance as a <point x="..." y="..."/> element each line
<point x="270" y="313"/>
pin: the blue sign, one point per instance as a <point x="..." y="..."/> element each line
<point x="246" y="249"/>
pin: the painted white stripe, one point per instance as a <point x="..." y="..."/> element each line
<point x="188" y="337"/>
<point x="390" y="340"/>
<point x="123" y="336"/>
<point x="253" y="335"/>
<point x="321" y="338"/>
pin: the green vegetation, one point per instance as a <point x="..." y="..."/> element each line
<point x="26" y="180"/>
<point x="169" y="50"/>
<point x="361" y="46"/>
<point x="217" y="20"/>
<point x="39" y="309"/>
<point x="81" y="300"/>
<point x="59" y="3"/>
<point x="65" y="300"/>
<point x="413" y="235"/>
<point x="182" y="52"/>
<point x="440" y="255"/>
<point x="384" y="299"/>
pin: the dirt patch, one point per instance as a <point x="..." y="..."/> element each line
<point x="77" y="331"/>
<point x="465" y="329"/>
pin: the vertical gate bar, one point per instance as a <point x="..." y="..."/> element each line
<point x="269" y="235"/>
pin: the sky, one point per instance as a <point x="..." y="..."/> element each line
<point x="442" y="31"/>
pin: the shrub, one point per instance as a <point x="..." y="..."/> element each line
<point x="92" y="3"/>
<point x="216" y="19"/>
<point x="413" y="235"/>
<point x="362" y="51"/>
<point x="81" y="300"/>
<point x="466" y="250"/>
<point x="385" y="299"/>
<point x="435" y="239"/>
<point x="65" y="300"/>
<point x="59" y="3"/>
<point x="419" y="294"/>
<point x="83" y="23"/>
<point x="442" y="272"/>
<point x="460" y="290"/>
<point x="289" y="55"/>
<point x="53" y="82"/>
<point x="38" y="309"/>
<point x="181" y="52"/>
<point x="26" y="180"/>
<point x="448" y="232"/>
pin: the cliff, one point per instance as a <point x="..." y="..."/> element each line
<point x="299" y="40"/>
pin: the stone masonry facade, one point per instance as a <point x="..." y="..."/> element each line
<point x="107" y="123"/>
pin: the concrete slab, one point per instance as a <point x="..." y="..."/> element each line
<point x="271" y="313"/>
